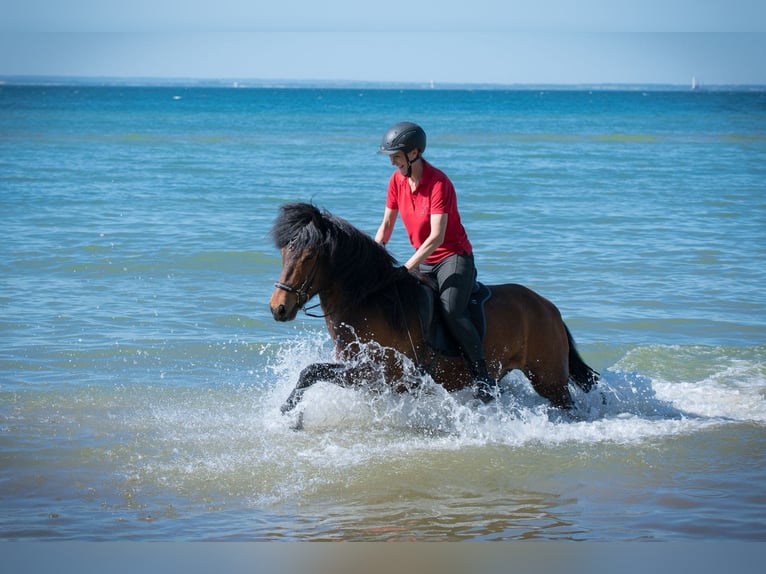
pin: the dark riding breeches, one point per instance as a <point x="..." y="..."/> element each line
<point x="456" y="276"/>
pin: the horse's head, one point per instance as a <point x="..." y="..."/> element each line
<point x="319" y="251"/>
<point x="299" y="233"/>
<point x="297" y="282"/>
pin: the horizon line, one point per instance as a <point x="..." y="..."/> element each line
<point x="243" y="82"/>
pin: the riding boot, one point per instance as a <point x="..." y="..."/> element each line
<point x="486" y="386"/>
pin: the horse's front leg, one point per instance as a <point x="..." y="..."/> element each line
<point x="328" y="372"/>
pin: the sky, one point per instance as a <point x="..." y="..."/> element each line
<point x="413" y="41"/>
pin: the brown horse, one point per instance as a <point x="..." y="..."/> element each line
<point x="366" y="298"/>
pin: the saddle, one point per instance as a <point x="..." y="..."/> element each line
<point x="435" y="331"/>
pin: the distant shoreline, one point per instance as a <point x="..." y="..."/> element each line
<point x="96" y="81"/>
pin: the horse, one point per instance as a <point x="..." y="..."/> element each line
<point x="366" y="297"/>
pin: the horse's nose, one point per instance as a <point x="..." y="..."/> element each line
<point x="279" y="312"/>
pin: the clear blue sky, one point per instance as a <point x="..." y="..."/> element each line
<point x="465" y="41"/>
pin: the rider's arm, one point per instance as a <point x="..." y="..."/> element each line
<point x="387" y="226"/>
<point x="432" y="242"/>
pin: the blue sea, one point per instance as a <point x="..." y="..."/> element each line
<point x="141" y="372"/>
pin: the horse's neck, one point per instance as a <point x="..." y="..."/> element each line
<point x="336" y="309"/>
<point x="345" y="323"/>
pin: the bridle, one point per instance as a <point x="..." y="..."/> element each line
<point x="303" y="293"/>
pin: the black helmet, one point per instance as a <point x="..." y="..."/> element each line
<point x="404" y="136"/>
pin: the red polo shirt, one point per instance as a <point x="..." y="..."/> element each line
<point x="435" y="194"/>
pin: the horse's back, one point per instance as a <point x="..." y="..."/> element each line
<point x="513" y="296"/>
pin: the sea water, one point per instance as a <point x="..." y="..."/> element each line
<point x="141" y="372"/>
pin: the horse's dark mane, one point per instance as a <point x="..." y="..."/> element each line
<point x="364" y="268"/>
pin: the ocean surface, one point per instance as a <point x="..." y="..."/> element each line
<point x="141" y="372"/>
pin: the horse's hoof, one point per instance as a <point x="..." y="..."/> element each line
<point x="298" y="426"/>
<point x="287" y="407"/>
<point x="485" y="394"/>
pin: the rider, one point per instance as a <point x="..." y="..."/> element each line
<point x="426" y="200"/>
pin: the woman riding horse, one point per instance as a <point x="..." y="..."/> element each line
<point x="426" y="200"/>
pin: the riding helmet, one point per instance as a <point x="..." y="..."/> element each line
<point x="404" y="136"/>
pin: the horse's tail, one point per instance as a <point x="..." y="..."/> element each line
<point x="580" y="373"/>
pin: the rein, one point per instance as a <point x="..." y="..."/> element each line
<point x="406" y="324"/>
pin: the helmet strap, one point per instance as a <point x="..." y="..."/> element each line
<point x="409" y="163"/>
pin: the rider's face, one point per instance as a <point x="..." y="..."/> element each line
<point x="399" y="160"/>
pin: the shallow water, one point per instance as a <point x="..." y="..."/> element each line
<point x="141" y="373"/>
<point x="642" y="459"/>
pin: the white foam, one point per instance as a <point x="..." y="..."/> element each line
<point x="626" y="406"/>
